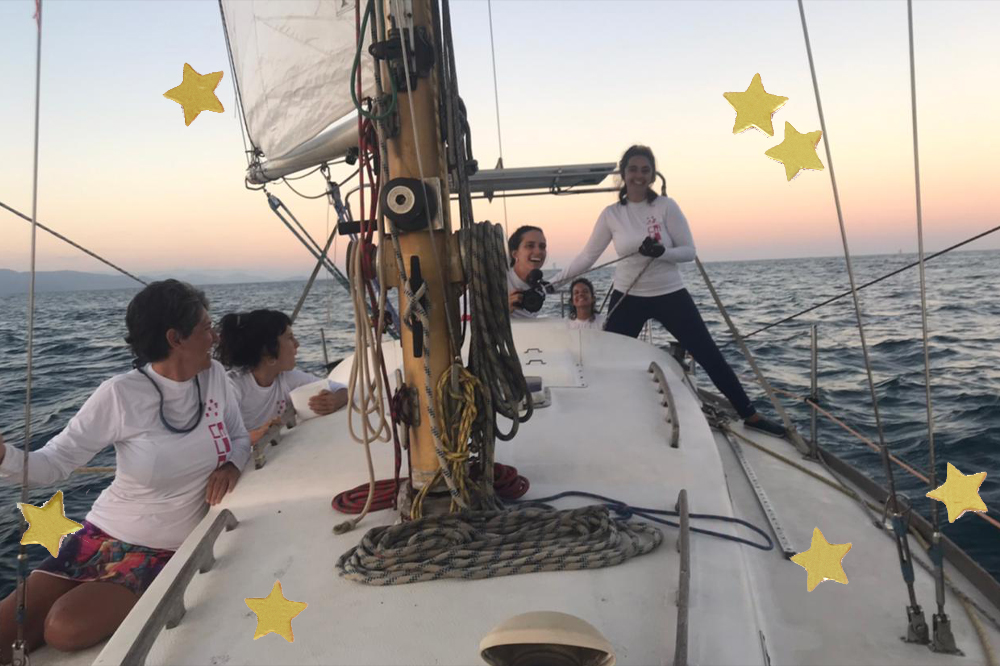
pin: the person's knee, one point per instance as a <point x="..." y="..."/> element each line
<point x="67" y="631"/>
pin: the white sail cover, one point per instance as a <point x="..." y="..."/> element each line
<point x="292" y="61"/>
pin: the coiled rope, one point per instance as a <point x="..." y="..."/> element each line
<point x="492" y="354"/>
<point x="488" y="544"/>
<point x="457" y="412"/>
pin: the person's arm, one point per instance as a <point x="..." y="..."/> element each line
<point x="223" y="480"/>
<point x="599" y="240"/>
<point x="683" y="249"/>
<point x="327" y="402"/>
<point x="238" y="435"/>
<point x="95" y="426"/>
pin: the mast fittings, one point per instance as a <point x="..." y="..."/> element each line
<point x="419" y="56"/>
<point x="409" y="203"/>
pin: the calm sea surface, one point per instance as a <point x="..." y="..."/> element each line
<point x="78" y="344"/>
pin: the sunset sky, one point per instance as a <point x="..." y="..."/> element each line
<point x="578" y="81"/>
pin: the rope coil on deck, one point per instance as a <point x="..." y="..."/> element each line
<point x="489" y="544"/>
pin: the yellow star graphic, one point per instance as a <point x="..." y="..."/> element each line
<point x="275" y="613"/>
<point x="754" y="107"/>
<point x="797" y="151"/>
<point x="823" y="560"/>
<point x="196" y="93"/>
<point x="960" y="493"/>
<point x="48" y="524"/>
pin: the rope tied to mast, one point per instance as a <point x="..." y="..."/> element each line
<point x="492" y="353"/>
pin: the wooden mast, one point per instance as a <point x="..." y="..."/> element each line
<point x="408" y="155"/>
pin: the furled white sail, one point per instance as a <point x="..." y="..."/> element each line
<point x="292" y="62"/>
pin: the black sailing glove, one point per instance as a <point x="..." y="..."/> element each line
<point x="651" y="248"/>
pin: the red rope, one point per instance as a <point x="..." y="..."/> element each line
<point x="507" y="483"/>
<point x="353" y="501"/>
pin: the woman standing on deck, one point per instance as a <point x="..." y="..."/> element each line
<point x="259" y="347"/>
<point x="180" y="446"/>
<point x="652" y="235"/>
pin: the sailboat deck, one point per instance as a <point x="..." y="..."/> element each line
<point x="605" y="432"/>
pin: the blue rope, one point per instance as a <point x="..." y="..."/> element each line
<point x="626" y="511"/>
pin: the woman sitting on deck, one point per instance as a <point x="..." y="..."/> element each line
<point x="180" y="446"/>
<point x="651" y="235"/>
<point x="582" y="315"/>
<point x="527" y="248"/>
<point x="260" y="349"/>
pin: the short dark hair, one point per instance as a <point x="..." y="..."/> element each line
<point x="593" y="296"/>
<point x="244" y="337"/>
<point x="636" y="151"/>
<point x="514" y="241"/>
<point x="159" y="307"/>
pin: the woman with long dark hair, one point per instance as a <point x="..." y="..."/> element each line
<point x="653" y="236"/>
<point x="259" y="348"/>
<point x="528" y="250"/>
<point x="180" y="446"/>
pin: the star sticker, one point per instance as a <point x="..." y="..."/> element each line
<point x="754" y="107"/>
<point x="797" y="151"/>
<point x="275" y="613"/>
<point x="823" y="560"/>
<point x="960" y="493"/>
<point x="48" y="524"/>
<point x="196" y="93"/>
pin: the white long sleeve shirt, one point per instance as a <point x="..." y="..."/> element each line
<point x="158" y="493"/>
<point x="628" y="226"/>
<point x="259" y="404"/>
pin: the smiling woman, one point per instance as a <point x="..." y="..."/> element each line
<point x="180" y="446"/>
<point x="528" y="250"/>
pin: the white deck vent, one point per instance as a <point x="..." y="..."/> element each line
<point x="546" y="638"/>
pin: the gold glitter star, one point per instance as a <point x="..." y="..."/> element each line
<point x="275" y="613"/>
<point x="196" y="93"/>
<point x="754" y="107"/>
<point x="960" y="493"/>
<point x="48" y="524"/>
<point x="797" y="151"/>
<point x="823" y="560"/>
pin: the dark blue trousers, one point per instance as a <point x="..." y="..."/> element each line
<point x="679" y="315"/>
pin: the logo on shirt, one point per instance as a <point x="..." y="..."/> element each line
<point x="281" y="406"/>
<point x="221" y="441"/>
<point x="653" y="228"/>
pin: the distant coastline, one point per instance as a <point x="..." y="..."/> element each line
<point x="16" y="282"/>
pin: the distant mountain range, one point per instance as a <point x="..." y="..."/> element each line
<point x="14" y="282"/>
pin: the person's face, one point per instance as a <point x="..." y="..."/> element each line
<point x="288" y="347"/>
<point x="196" y="349"/>
<point x="531" y="252"/>
<point x="638" y="174"/>
<point x="582" y="298"/>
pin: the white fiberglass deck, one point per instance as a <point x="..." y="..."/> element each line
<point x="605" y="432"/>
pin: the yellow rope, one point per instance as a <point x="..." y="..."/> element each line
<point x="456" y="412"/>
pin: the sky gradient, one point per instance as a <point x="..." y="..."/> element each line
<point x="578" y="82"/>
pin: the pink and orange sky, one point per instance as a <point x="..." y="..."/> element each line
<point x="579" y="81"/>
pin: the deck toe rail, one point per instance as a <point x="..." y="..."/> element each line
<point x="169" y="609"/>
<point x="668" y="402"/>
<point x="684" y="584"/>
